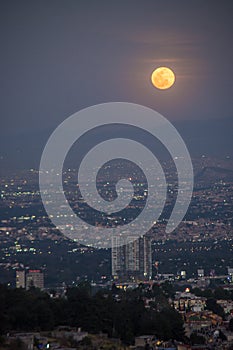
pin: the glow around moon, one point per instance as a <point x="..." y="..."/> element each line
<point x="163" y="78"/>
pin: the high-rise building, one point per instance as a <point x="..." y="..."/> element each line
<point x="35" y="278"/>
<point x="200" y="273"/>
<point x="20" y="279"/>
<point x="183" y="274"/>
<point x="131" y="258"/>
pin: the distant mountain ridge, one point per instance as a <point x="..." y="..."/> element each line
<point x="214" y="172"/>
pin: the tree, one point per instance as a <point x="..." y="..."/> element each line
<point x="17" y="344"/>
<point x="231" y="325"/>
<point x="115" y="290"/>
<point x="222" y="336"/>
<point x="166" y="324"/>
<point x="168" y="289"/>
<point x="197" y="339"/>
<point x="221" y="293"/>
<point x="156" y="290"/>
<point x="2" y="340"/>
<point x="217" y="309"/>
<point x="125" y="318"/>
<point x="86" y="343"/>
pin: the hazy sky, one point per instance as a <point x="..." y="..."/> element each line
<point x="59" y="56"/>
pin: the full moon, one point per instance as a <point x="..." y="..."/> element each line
<point x="162" y="78"/>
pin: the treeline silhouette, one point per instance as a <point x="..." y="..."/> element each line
<point x="118" y="313"/>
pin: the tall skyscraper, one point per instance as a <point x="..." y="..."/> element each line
<point x="20" y="279"/>
<point x="131" y="258"/>
<point x="35" y="278"/>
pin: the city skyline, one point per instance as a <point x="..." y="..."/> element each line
<point x="116" y="175"/>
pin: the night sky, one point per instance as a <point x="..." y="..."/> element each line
<point x="58" y="57"/>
